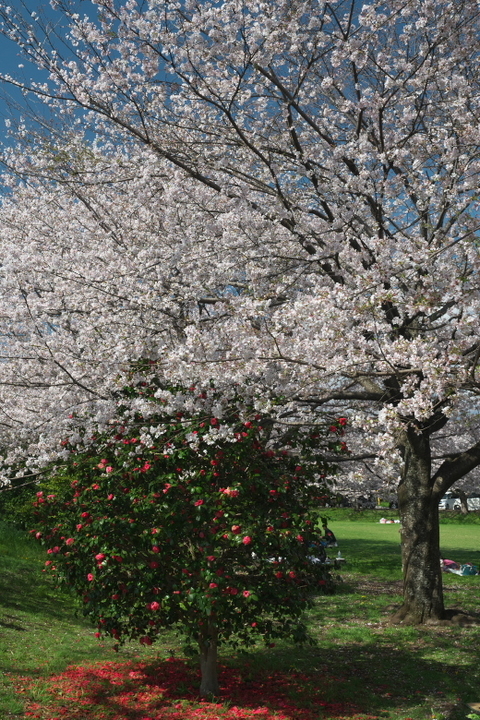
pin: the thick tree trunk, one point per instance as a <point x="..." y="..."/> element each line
<point x="418" y="504"/>
<point x="208" y="660"/>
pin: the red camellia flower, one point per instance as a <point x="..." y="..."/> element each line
<point x="197" y="503"/>
<point x="154" y="605"/>
<point x="213" y="585"/>
<point x="79" y="526"/>
<point x="247" y="540"/>
<point x="99" y="557"/>
<point x="236" y="529"/>
<point x="146" y="640"/>
<point x="69" y="541"/>
<point x="342" y="421"/>
<point x="85" y="515"/>
<point x="292" y="574"/>
<point x="154" y="564"/>
<point x="155" y="549"/>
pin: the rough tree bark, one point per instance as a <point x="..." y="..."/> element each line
<point x="418" y="505"/>
<point x="208" y="659"/>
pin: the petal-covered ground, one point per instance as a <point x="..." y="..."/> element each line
<point x="168" y="690"/>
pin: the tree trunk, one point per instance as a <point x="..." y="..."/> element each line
<point x="208" y="659"/>
<point x="463" y="502"/>
<point x="418" y="505"/>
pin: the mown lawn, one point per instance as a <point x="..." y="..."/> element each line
<point x="361" y="667"/>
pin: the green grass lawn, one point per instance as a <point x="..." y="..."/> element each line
<point x="361" y="667"/>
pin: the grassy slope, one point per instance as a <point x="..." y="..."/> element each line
<point x="390" y="672"/>
<point x="39" y="632"/>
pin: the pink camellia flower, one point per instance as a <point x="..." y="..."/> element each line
<point x="246" y="593"/>
<point x="38" y="535"/>
<point x="48" y="562"/>
<point x="213" y="585"/>
<point x="228" y="491"/>
<point x="69" y="541"/>
<point x="96" y="486"/>
<point x="100" y="557"/>
<point x="247" y="540"/>
<point x="300" y="538"/>
<point x="111" y="496"/>
<point x="197" y="503"/>
<point x="90" y="577"/>
<point x="154" y="605"/>
<point x="109" y="469"/>
<point x="211" y="558"/>
<point x="155" y="549"/>
<point x="236" y="529"/>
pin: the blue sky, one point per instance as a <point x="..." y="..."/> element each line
<point x="13" y="63"/>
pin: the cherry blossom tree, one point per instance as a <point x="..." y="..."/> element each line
<point x="290" y="194"/>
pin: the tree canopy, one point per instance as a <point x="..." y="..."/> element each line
<point x="285" y="191"/>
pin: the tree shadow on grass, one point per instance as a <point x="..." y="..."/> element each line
<point x="301" y="684"/>
<point x="371" y="556"/>
<point x="27" y="591"/>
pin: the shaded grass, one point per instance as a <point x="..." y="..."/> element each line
<point x="361" y="666"/>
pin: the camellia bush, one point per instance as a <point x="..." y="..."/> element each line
<point x="193" y="521"/>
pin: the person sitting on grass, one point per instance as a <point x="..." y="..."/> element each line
<point x="328" y="537"/>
